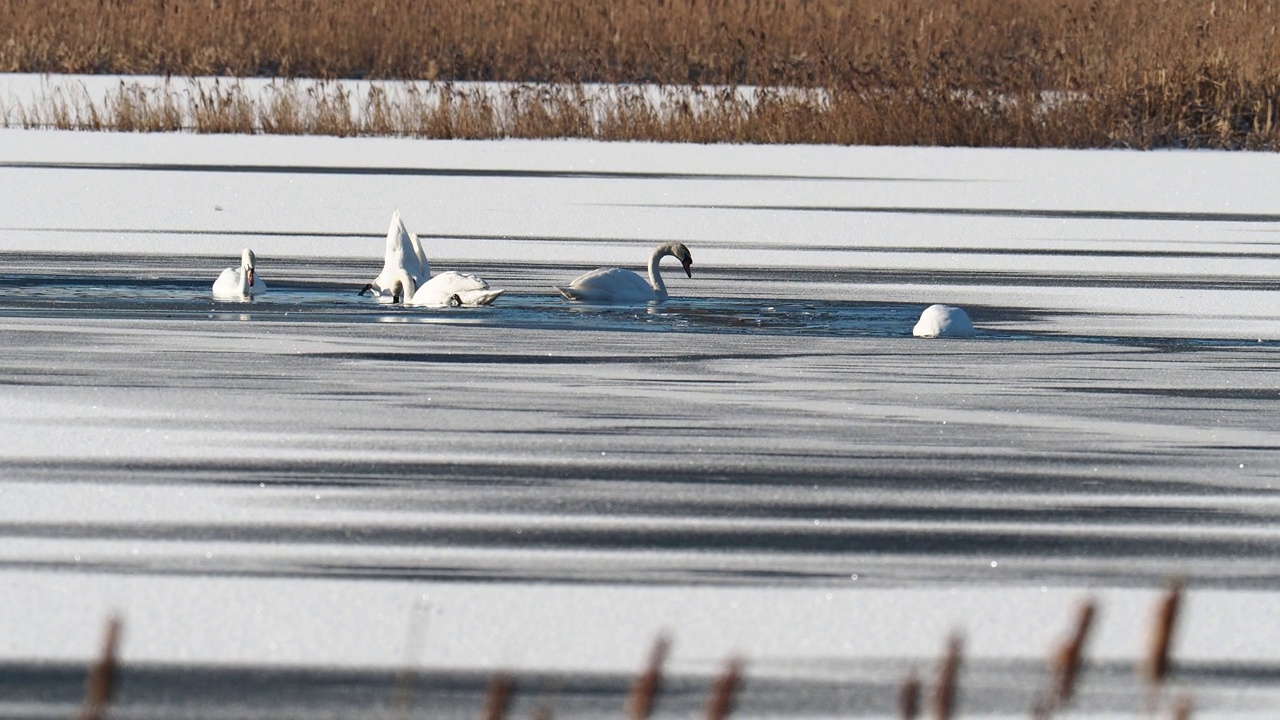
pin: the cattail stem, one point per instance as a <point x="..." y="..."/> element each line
<point x="944" y="694"/>
<point x="645" y="688"/>
<point x="1065" y="664"/>
<point x="720" y="702"/>
<point x="909" y="697"/>
<point x="1160" y="649"/>
<point x="497" y="698"/>
<point x="99" y="686"/>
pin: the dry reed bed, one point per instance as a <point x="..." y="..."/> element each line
<point x="445" y="111"/>
<point x="1141" y="73"/>
<point x="1065" y="666"/>
<point x="700" y="114"/>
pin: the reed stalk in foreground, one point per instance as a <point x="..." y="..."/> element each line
<point x="1157" y="663"/>
<point x="99" y="686"/>
<point x="497" y="698"/>
<point x="647" y="684"/>
<point x="909" y="697"/>
<point x="721" y="700"/>
<point x="407" y="676"/>
<point x="946" y="691"/>
<point x="1065" y="664"/>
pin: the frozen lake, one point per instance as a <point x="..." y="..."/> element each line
<point x="290" y="500"/>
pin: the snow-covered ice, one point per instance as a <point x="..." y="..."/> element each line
<point x="766" y="465"/>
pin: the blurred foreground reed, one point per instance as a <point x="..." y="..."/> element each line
<point x="1065" y="666"/>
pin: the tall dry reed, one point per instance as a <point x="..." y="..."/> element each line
<point x="100" y="683"/>
<point x="644" y="690"/>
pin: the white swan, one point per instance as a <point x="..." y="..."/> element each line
<point x="448" y="289"/>
<point x="240" y="282"/>
<point x="617" y="285"/>
<point x="943" y="321"/>
<point x="403" y="252"/>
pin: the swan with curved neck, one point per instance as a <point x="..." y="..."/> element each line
<point x="403" y="252"/>
<point x="618" y="285"/>
<point x="447" y="289"/>
<point x="240" y="282"/>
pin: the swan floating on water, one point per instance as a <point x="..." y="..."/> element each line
<point x="406" y="275"/>
<point x="240" y="282"/>
<point x="448" y="289"/>
<point x="943" y="321"/>
<point x="404" y="252"/>
<point x="618" y="285"/>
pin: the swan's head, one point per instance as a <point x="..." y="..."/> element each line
<point x="247" y="263"/>
<point x="455" y="300"/>
<point x="682" y="254"/>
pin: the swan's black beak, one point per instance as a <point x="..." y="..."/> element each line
<point x="688" y="268"/>
<point x="365" y="289"/>
<point x="455" y="301"/>
<point x="250" y="277"/>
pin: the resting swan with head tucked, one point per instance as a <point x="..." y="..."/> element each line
<point x="617" y="285"/>
<point x="448" y="289"/>
<point x="940" y="321"/>
<point x="240" y="282"/>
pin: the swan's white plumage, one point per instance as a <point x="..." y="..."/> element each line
<point x="406" y="274"/>
<point x="403" y="252"/>
<point x="448" y="289"/>
<point x="943" y="321"/>
<point x="240" y="282"/>
<point x="451" y="288"/>
<point x="620" y="286"/>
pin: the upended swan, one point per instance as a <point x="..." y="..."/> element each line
<point x="943" y="321"/>
<point x="403" y="252"/>
<point x="618" y="285"/>
<point x="405" y="274"/>
<point x="448" y="289"/>
<point x="240" y="282"/>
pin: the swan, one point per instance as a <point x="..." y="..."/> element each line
<point x="943" y="321"/>
<point x="617" y="285"/>
<point x="404" y="252"/>
<point x="239" y="282"/>
<point x="448" y="289"/>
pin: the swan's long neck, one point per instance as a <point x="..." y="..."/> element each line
<point x="407" y="286"/>
<point x="655" y="275"/>
<point x="246" y="279"/>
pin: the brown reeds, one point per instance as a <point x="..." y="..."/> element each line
<point x="644" y="690"/>
<point x="1157" y="663"/>
<point x="720" y="701"/>
<point x="1065" y="664"/>
<point x="946" y="690"/>
<point x="909" y="697"/>
<point x="1072" y="73"/>
<point x="497" y="698"/>
<point x="100" y="683"/>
